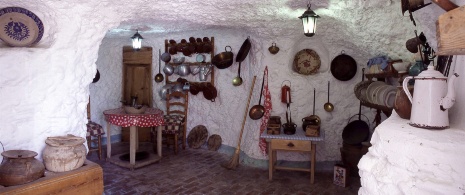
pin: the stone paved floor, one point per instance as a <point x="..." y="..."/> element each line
<point x="199" y="171"/>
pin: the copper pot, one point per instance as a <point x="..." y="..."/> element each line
<point x="20" y="167"/>
<point x="194" y="88"/>
<point x="209" y="92"/>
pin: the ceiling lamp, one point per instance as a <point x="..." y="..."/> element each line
<point x="309" y="22"/>
<point x="137" y="41"/>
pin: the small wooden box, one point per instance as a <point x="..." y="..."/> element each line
<point x="312" y="131"/>
<point x="273" y="129"/>
<point x="341" y="175"/>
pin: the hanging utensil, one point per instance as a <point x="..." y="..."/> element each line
<point x="241" y="55"/>
<point x="312" y="119"/>
<point x="159" y="77"/>
<point x="328" y="106"/>
<point x="238" y="80"/>
<point x="257" y="111"/>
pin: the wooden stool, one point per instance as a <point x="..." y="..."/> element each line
<point x="94" y="130"/>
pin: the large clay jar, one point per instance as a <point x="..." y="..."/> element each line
<point x="402" y="104"/>
<point x="64" y="153"/>
<point x="20" y="167"/>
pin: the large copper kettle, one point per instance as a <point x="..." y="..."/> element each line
<point x="434" y="95"/>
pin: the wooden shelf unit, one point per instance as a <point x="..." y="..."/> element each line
<point x="212" y="73"/>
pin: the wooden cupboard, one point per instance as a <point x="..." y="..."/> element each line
<point x="137" y="81"/>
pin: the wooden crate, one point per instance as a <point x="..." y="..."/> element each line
<point x="312" y="131"/>
<point x="86" y="180"/>
<point x="273" y="129"/>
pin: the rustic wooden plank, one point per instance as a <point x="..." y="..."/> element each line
<point x="450" y="32"/>
<point x="85" y="180"/>
<point x="445" y="4"/>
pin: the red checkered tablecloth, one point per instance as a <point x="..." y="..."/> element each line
<point x="151" y="118"/>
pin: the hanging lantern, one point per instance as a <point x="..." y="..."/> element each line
<point x="309" y="22"/>
<point x="137" y="41"/>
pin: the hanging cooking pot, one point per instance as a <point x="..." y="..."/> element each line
<point x="224" y="59"/>
<point x="244" y="50"/>
<point x="168" y="69"/>
<point x="166" y="57"/>
<point x="183" y="70"/>
<point x="257" y="111"/>
<point x="194" y="88"/>
<point x="356" y="131"/>
<point x="209" y="92"/>
<point x="164" y="90"/>
<point x="343" y="67"/>
<point x="172" y="50"/>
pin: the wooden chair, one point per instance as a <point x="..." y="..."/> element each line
<point x="175" y="118"/>
<point x="94" y="130"/>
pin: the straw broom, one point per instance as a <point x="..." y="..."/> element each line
<point x="235" y="158"/>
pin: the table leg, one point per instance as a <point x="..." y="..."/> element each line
<point x="270" y="162"/>
<point x="137" y="138"/>
<point x="312" y="166"/>
<point x="132" y="146"/>
<point x="108" y="142"/>
<point x="159" y="141"/>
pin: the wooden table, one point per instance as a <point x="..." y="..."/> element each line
<point x="151" y="118"/>
<point x="295" y="143"/>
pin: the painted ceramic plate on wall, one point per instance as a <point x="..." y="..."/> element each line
<point x="306" y="62"/>
<point x="20" y="27"/>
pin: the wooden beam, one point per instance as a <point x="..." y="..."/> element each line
<point x="445" y="4"/>
<point x="450" y="32"/>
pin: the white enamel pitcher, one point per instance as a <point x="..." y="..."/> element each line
<point x="432" y="98"/>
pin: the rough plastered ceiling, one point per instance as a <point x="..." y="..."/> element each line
<point x="266" y="18"/>
<point x="365" y="24"/>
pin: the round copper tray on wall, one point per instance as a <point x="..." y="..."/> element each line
<point x="343" y="67"/>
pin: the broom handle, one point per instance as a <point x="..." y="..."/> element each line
<point x="245" y="114"/>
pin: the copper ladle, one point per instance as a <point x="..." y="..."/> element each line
<point x="328" y="106"/>
<point x="257" y="111"/>
<point x="159" y="77"/>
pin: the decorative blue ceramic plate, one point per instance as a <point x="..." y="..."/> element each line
<point x="20" y="27"/>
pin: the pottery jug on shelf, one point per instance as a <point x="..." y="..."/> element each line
<point x="434" y="95"/>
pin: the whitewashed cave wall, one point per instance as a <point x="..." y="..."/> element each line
<point x="44" y="89"/>
<point x="224" y="117"/>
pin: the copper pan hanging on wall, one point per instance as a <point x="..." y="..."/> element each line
<point x="343" y="67"/>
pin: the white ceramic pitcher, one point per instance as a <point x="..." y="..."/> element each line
<point x="432" y="99"/>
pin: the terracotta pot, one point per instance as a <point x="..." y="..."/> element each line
<point x="20" y="167"/>
<point x="402" y="105"/>
<point x="64" y="153"/>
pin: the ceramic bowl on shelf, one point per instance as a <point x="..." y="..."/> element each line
<point x="401" y="67"/>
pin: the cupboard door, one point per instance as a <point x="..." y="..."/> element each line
<point x="137" y="81"/>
